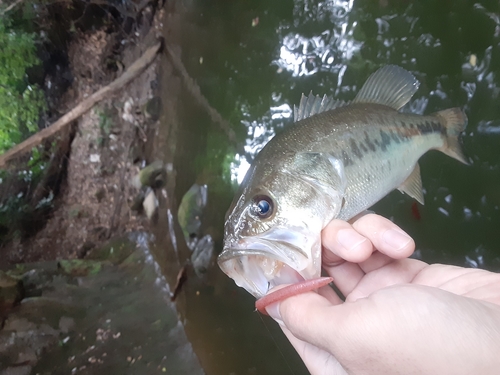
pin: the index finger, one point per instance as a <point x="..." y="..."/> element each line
<point x="356" y="242"/>
<point x="385" y="236"/>
<point x="371" y="236"/>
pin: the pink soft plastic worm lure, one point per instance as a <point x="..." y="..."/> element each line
<point x="290" y="291"/>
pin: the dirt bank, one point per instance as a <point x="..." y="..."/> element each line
<point x="110" y="144"/>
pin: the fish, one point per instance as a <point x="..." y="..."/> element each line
<point x="335" y="161"/>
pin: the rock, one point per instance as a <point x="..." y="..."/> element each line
<point x="66" y="324"/>
<point x="128" y="107"/>
<point x="86" y="322"/>
<point x="136" y="204"/>
<point x="85" y="249"/>
<point x="191" y="209"/>
<point x="115" y="250"/>
<point x="19" y="325"/>
<point x="40" y="316"/>
<point x="27" y="355"/>
<point x="154" y="175"/>
<point x="132" y="260"/>
<point x="202" y="255"/>
<point x="75" y="211"/>
<point x="80" y="267"/>
<point x="17" y="370"/>
<point x="36" y="277"/>
<point x="46" y="330"/>
<point x="152" y="110"/>
<point x="11" y="291"/>
<point x="150" y="204"/>
<point x="95" y="158"/>
<point x="100" y="194"/>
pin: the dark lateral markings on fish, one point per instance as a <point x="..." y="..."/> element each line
<point x="336" y="160"/>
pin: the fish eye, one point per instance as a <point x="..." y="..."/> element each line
<point x="262" y="206"/>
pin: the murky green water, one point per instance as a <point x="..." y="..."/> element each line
<point x="253" y="60"/>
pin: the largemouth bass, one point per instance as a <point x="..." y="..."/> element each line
<point x="335" y="161"/>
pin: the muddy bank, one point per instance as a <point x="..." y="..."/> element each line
<point x="110" y="312"/>
<point x="107" y="145"/>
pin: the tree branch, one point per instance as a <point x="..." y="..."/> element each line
<point x="10" y="7"/>
<point x="134" y="70"/>
<point x="195" y="90"/>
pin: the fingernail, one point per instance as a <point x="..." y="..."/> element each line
<point x="274" y="312"/>
<point x="350" y="239"/>
<point x="396" y="239"/>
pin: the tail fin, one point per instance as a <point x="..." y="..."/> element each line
<point x="454" y="120"/>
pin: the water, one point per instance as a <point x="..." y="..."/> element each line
<point x="253" y="60"/>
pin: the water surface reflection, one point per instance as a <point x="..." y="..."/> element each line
<point x="255" y="73"/>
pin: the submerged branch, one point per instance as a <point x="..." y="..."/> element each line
<point x="194" y="90"/>
<point x="133" y="71"/>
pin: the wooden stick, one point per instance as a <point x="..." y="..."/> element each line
<point x="10" y="7"/>
<point x="195" y="90"/>
<point x="133" y="71"/>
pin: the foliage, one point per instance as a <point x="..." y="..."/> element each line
<point x="20" y="103"/>
<point x="105" y="124"/>
<point x="16" y="206"/>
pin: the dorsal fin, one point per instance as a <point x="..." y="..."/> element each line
<point x="391" y="86"/>
<point x="312" y="105"/>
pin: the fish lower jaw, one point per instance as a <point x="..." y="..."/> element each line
<point x="258" y="274"/>
<point x="285" y="275"/>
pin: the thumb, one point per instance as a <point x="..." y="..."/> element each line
<point x="311" y="318"/>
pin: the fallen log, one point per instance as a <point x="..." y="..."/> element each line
<point x="133" y="71"/>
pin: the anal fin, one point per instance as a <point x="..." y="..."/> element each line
<point x="413" y="185"/>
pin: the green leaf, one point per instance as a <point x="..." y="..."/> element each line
<point x="20" y="103"/>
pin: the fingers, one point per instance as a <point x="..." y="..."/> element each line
<point x="375" y="262"/>
<point x="309" y="307"/>
<point x="317" y="361"/>
<point x="391" y="331"/>
<point x="469" y="282"/>
<point x="370" y="243"/>
<point x="328" y="293"/>
<point x="310" y="318"/>
<point x="284" y="291"/>
<point x="344" y="243"/>
<point x="385" y="236"/>
<point x="401" y="271"/>
<point x="346" y="276"/>
<point x="355" y="243"/>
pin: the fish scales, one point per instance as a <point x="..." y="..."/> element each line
<point x="335" y="161"/>
<point x="372" y="140"/>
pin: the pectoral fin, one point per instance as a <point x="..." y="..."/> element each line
<point x="413" y="185"/>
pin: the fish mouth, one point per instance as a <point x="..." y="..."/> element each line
<point x="257" y="272"/>
<point x="259" y="264"/>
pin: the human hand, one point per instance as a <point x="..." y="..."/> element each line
<point x="401" y="316"/>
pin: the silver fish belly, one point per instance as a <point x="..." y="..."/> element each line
<point x="335" y="161"/>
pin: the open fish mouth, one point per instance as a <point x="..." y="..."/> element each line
<point x="257" y="272"/>
<point x="259" y="264"/>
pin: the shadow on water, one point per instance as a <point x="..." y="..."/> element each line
<point x="252" y="61"/>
